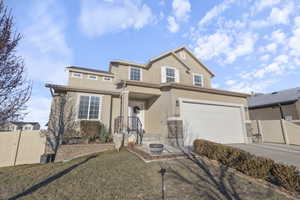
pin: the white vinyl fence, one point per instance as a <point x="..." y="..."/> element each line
<point x="21" y="147"/>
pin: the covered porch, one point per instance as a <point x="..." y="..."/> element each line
<point x="135" y="112"/>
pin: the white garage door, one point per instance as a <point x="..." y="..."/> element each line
<point x="213" y="122"/>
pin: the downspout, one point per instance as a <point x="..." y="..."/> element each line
<point x="281" y="112"/>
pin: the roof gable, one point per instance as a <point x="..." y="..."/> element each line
<point x="173" y="53"/>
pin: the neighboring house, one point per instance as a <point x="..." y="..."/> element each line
<point x="283" y="104"/>
<point x="171" y="90"/>
<point x="26" y="126"/>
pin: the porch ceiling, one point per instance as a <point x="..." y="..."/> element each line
<point x="142" y="96"/>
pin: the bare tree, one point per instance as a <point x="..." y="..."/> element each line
<point x="61" y="121"/>
<point x="15" y="90"/>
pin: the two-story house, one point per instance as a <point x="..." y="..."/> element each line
<point x="172" y="87"/>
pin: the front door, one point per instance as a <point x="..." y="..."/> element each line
<point x="137" y="109"/>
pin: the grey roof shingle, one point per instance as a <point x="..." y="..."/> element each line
<point x="282" y="96"/>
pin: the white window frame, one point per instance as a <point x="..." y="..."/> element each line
<point x="202" y="81"/>
<point x="141" y="73"/>
<point x="78" y="104"/>
<point x="104" y="78"/>
<point x="164" y="74"/>
<point x="94" y="79"/>
<point x="73" y="75"/>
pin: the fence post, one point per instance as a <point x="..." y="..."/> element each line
<point x="18" y="144"/>
<point x="260" y="130"/>
<point x="284" y="132"/>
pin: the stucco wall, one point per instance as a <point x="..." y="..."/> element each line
<point x="179" y="93"/>
<point x="31" y="147"/>
<point x="273" y="113"/>
<point x="157" y="112"/>
<point x="153" y="74"/>
<point x="84" y="82"/>
<point x="272" y="131"/>
<point x="293" y="132"/>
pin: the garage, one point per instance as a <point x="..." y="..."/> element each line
<point x="213" y="121"/>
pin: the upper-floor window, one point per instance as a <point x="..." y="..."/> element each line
<point x="135" y="74"/>
<point x="170" y="74"/>
<point x="106" y="78"/>
<point x="76" y="75"/>
<point x="198" y="79"/>
<point x="89" y="107"/>
<point x="92" y="77"/>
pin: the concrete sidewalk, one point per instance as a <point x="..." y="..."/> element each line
<point x="286" y="154"/>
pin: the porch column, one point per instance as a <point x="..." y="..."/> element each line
<point x="125" y="101"/>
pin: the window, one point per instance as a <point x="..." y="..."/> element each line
<point x="198" y="80"/>
<point x="135" y="74"/>
<point x="170" y="75"/>
<point x="77" y="75"/>
<point x="92" y="77"/>
<point x="89" y="107"/>
<point x="106" y="78"/>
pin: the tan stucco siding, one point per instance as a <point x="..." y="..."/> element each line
<point x="158" y="110"/>
<point x="273" y="112"/>
<point x="298" y="109"/>
<point x="115" y="111"/>
<point x="196" y="68"/>
<point x="153" y="74"/>
<point x="85" y="82"/>
<point x="177" y="93"/>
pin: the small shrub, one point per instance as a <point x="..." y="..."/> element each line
<point x="90" y="129"/>
<point x="278" y="174"/>
<point x="104" y="135"/>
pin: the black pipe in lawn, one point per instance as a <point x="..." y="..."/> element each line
<point x="162" y="172"/>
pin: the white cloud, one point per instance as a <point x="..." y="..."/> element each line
<point x="38" y="109"/>
<point x="230" y="82"/>
<point x="262" y="4"/>
<point x="278" y="36"/>
<point x="46" y="53"/>
<point x="215" y="85"/>
<point x="98" y="18"/>
<point x="244" y="47"/>
<point x="213" y="45"/>
<point x="281" y="16"/>
<point x="294" y="41"/>
<point x="172" y="25"/>
<point x="216" y="11"/>
<point x="271" y="47"/>
<point x="265" y="57"/>
<point x="181" y="9"/>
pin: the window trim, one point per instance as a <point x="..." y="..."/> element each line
<point x="164" y="74"/>
<point x="141" y="73"/>
<point x="78" y="104"/>
<point x="202" y="81"/>
<point x="110" y="78"/>
<point x="89" y="77"/>
<point x="73" y="75"/>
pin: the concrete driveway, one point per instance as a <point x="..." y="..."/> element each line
<point x="287" y="154"/>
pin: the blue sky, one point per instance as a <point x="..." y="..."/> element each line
<point x="251" y="45"/>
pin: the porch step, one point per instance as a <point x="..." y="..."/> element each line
<point x="148" y="139"/>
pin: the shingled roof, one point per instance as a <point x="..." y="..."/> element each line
<point x="279" y="97"/>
